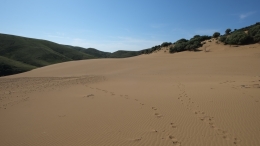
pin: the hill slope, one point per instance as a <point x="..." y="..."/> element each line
<point x="24" y="54"/>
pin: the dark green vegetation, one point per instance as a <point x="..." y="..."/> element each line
<point x="243" y="36"/>
<point x="216" y="35"/>
<point x="228" y="31"/>
<point x="9" y="66"/>
<point x="189" y="45"/>
<point x="20" y="54"/>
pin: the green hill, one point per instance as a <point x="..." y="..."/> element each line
<point x="20" y="54"/>
<point x="93" y="52"/>
<point x="9" y="66"/>
<point x="124" y="54"/>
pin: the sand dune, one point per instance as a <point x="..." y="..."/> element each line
<point x="206" y="98"/>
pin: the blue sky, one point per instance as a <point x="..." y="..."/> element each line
<point x="111" y="25"/>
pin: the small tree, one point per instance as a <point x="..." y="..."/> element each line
<point x="223" y="38"/>
<point x="165" y="44"/>
<point x="216" y="35"/>
<point x="238" y="38"/>
<point x="228" y="31"/>
<point x="254" y="32"/>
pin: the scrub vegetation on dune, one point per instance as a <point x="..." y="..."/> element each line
<point x="243" y="36"/>
<point x="189" y="45"/>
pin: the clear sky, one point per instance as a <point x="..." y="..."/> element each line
<point x="111" y="25"/>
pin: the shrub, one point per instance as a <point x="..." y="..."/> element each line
<point x="166" y="44"/>
<point x="257" y="38"/>
<point x="238" y="38"/>
<point x="216" y="34"/>
<point x="192" y="45"/>
<point x="179" y="47"/>
<point x="228" y="31"/>
<point x="223" y="38"/>
<point x="181" y="41"/>
<point x="254" y="33"/>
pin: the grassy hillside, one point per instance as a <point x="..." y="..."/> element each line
<point x="37" y="52"/>
<point x="93" y="52"/>
<point x="100" y="54"/>
<point x="124" y="54"/>
<point x="9" y="66"/>
<point x="20" y="54"/>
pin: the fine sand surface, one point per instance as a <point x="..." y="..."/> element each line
<point x="206" y="98"/>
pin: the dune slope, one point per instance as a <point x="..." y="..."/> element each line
<point x="201" y="98"/>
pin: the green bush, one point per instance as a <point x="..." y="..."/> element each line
<point x="192" y="45"/>
<point x="257" y="38"/>
<point x="254" y="33"/>
<point x="181" y="41"/>
<point x="238" y="38"/>
<point x="179" y="47"/>
<point x="223" y="38"/>
<point x="216" y="35"/>
<point x="228" y="31"/>
<point x="166" y="44"/>
<point x="151" y="50"/>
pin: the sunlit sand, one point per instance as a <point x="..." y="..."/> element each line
<point x="209" y="98"/>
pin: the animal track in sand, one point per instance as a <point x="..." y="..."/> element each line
<point x="154" y="108"/>
<point x="209" y="120"/>
<point x="236" y="141"/>
<point x="173" y="125"/>
<point x="89" y="96"/>
<point x="62" y="116"/>
<point x="137" y="139"/>
<point x="174" y="140"/>
<point x="251" y="86"/>
<point x="158" y="115"/>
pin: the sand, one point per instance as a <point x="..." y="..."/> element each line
<point x="206" y="98"/>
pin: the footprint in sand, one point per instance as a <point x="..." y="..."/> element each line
<point x="137" y="139"/>
<point x="62" y="116"/>
<point x="154" y="108"/>
<point x="158" y="115"/>
<point x="155" y="131"/>
<point x="89" y="96"/>
<point x="173" y="125"/>
<point x="236" y="141"/>
<point x="222" y="133"/>
<point x="174" y="140"/>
